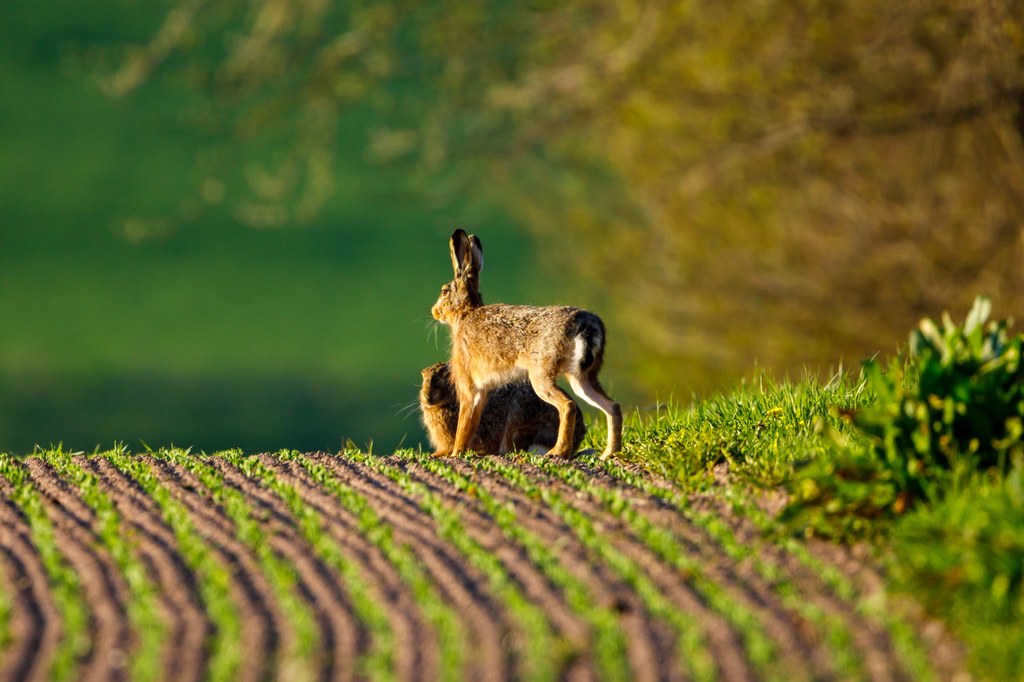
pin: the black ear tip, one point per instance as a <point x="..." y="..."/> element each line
<point x="458" y="235"/>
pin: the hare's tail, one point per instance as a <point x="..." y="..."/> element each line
<point x="589" y="335"/>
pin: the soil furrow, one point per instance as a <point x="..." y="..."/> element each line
<point x="642" y="635"/>
<point x="944" y="652"/>
<point x="722" y="641"/>
<point x="342" y="640"/>
<point x="796" y="642"/>
<point x="796" y="633"/>
<point x="103" y="588"/>
<point x="258" y="611"/>
<point x="871" y="642"/>
<point x="185" y="654"/>
<point x="416" y="646"/>
<point x="488" y="628"/>
<point x="34" y="626"/>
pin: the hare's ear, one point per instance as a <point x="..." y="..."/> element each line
<point x="459" y="246"/>
<point x="476" y="251"/>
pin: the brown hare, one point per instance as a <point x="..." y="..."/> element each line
<point x="514" y="419"/>
<point x="494" y="345"/>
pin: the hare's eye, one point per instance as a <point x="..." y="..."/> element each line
<point x="445" y="291"/>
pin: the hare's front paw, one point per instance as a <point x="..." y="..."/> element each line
<point x="446" y="452"/>
<point x="564" y="453"/>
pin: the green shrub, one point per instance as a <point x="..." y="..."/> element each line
<point x="954" y="406"/>
<point x="961" y="408"/>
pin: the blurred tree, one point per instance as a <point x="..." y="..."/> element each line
<point x="786" y="182"/>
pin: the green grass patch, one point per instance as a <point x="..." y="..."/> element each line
<point x="964" y="559"/>
<point x="761" y="429"/>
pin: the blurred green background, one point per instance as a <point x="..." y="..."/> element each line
<point x="224" y="223"/>
<point x="216" y="334"/>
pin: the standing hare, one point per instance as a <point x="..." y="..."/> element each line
<point x="494" y="345"/>
<point x="514" y="419"/>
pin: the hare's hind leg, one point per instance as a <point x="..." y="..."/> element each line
<point x="586" y="386"/>
<point x="548" y="391"/>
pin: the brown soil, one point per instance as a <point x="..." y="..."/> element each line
<point x="769" y="585"/>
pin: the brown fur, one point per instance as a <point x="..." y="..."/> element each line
<point x="514" y="418"/>
<point x="494" y="345"/>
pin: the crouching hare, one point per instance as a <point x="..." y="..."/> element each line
<point x="514" y="419"/>
<point x="494" y="345"/>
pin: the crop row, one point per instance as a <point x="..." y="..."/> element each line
<point x="172" y="565"/>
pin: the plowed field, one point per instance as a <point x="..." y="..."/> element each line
<point x="183" y="567"/>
